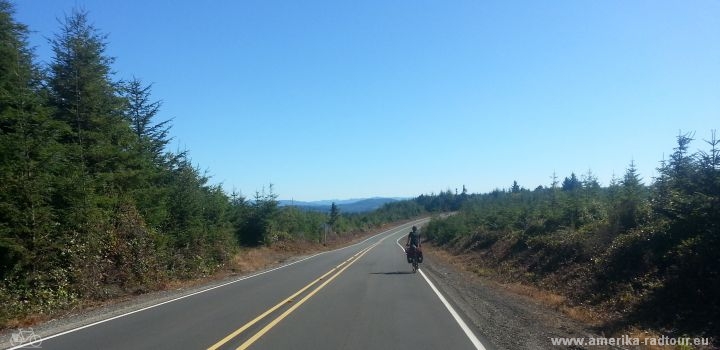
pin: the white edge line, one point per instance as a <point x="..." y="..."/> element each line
<point x="468" y="332"/>
<point x="465" y="328"/>
<point x="201" y="291"/>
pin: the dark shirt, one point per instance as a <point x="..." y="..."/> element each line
<point x="414" y="238"/>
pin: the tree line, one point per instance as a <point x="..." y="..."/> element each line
<point x="92" y="205"/>
<point x="646" y="252"/>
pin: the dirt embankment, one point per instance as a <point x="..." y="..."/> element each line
<point x="504" y="318"/>
<point x="518" y="316"/>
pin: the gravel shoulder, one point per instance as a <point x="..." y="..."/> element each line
<point x="502" y="318"/>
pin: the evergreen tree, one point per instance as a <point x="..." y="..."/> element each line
<point x="239" y="212"/>
<point x="554" y="180"/>
<point x="259" y="226"/>
<point x="103" y="172"/>
<point x="594" y="207"/>
<point x="630" y="211"/>
<point x="632" y="183"/>
<point x="150" y="192"/>
<point x="709" y="178"/>
<point x="590" y="182"/>
<point x="613" y="191"/>
<point x="334" y="214"/>
<point x="571" y="184"/>
<point x="185" y="212"/>
<point x="674" y="186"/>
<point x="31" y="163"/>
<point x="140" y="112"/>
<point x="515" y="187"/>
<point x="85" y="97"/>
<point x="572" y="205"/>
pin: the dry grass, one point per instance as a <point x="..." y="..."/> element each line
<point x="27" y="321"/>
<point x="472" y="266"/>
<point x="251" y="260"/>
<point x="558" y="302"/>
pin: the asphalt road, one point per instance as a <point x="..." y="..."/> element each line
<point x="360" y="297"/>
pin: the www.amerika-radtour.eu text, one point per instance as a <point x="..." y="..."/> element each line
<point x="629" y="341"/>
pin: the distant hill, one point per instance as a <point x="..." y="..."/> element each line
<point x="346" y="206"/>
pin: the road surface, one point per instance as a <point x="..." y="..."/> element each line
<point x="360" y="297"/>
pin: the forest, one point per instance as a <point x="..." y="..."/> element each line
<point x="646" y="253"/>
<point x="93" y="206"/>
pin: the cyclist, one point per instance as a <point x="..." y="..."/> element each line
<point x="413" y="238"/>
<point x="413" y="242"/>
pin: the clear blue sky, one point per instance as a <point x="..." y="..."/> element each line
<point x="345" y="99"/>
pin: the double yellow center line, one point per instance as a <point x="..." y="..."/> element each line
<point x="337" y="270"/>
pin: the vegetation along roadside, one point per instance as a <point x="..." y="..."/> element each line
<point x="636" y="256"/>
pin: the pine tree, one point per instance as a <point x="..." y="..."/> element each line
<point x="150" y="191"/>
<point x="515" y="188"/>
<point x="140" y="112"/>
<point x="630" y="211"/>
<point x="85" y="97"/>
<point x="590" y="183"/>
<point x="97" y="186"/>
<point x="709" y="177"/>
<point x="31" y="164"/>
<point x="258" y="228"/>
<point x="674" y="186"/>
<point x="571" y="184"/>
<point x="334" y="214"/>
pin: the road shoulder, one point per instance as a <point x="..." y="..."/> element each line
<point x="503" y="319"/>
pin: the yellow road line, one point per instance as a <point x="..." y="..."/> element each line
<point x="284" y="302"/>
<point x="272" y="324"/>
